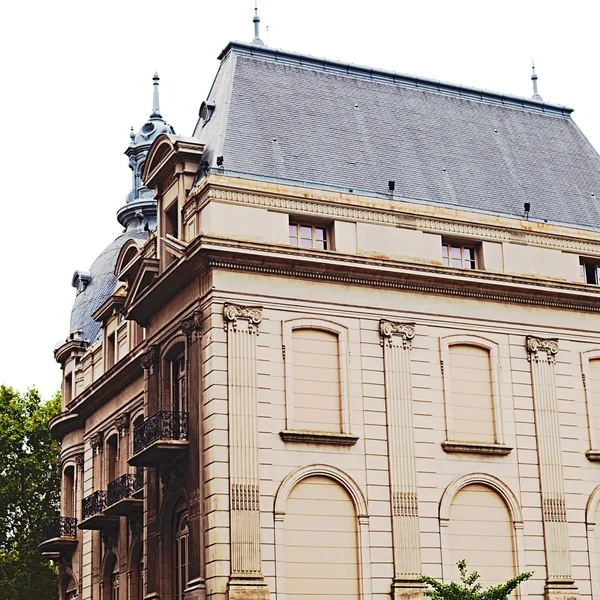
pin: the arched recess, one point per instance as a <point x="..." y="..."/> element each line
<point x="360" y="506"/>
<point x="69" y="585"/>
<point x="592" y="515"/>
<point x="492" y="348"/>
<point x="136" y="570"/>
<point x="110" y="572"/>
<point x="129" y="251"/>
<point x="162" y="147"/>
<point x="514" y="510"/>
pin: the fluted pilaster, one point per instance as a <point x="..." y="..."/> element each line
<point x="396" y="339"/>
<point x="541" y="353"/>
<point x="241" y="324"/>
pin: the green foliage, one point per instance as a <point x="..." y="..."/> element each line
<point x="469" y="588"/>
<point x="29" y="494"/>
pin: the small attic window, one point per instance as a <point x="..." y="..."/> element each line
<point x="206" y="111"/>
<point x="80" y="280"/>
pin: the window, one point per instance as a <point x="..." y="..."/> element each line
<point x="459" y="256"/>
<point x="110" y="350"/>
<point x="172" y="221"/>
<point x="590" y="362"/>
<point x="178" y="384"/>
<point x="69" y="492"/>
<point x="308" y="236"/>
<point x="68" y="389"/>
<point x="114" y="582"/>
<point x="590" y="271"/>
<point x="111" y="459"/>
<point x="181" y="553"/>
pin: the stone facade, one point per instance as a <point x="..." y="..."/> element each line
<point x="337" y="420"/>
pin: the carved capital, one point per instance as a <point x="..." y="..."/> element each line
<point x="404" y="332"/>
<point x="195" y="504"/>
<point x="122" y="424"/>
<point x="96" y="442"/>
<point x="535" y="345"/>
<point x="136" y="524"/>
<point x="150" y="358"/>
<point x="232" y="313"/>
<point x="192" y="326"/>
<point x="79" y="460"/>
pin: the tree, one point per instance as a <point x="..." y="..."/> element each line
<point x="29" y="493"/>
<point x="469" y="588"/>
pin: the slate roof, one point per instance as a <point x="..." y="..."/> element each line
<point x="287" y="116"/>
<point x="100" y="287"/>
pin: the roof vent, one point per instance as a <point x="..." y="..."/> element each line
<point x="80" y="280"/>
<point x="206" y="111"/>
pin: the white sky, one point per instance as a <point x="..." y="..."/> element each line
<point x="77" y="75"/>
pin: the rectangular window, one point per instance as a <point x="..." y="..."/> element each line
<point x="459" y="256"/>
<point x="308" y="236"/>
<point x="590" y="271"/>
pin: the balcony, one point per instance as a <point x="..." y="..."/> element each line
<point x="159" y="438"/>
<point x="59" y="536"/>
<point x="92" y="512"/>
<point x="124" y="495"/>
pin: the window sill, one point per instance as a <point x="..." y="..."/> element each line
<point x="593" y="455"/>
<point x="318" y="437"/>
<point x="476" y="448"/>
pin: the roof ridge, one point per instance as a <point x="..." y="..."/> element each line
<point x="382" y="75"/>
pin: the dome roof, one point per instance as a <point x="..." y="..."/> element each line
<point x="150" y="130"/>
<point x="97" y="285"/>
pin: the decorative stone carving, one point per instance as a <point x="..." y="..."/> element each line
<point x="234" y="312"/>
<point x="122" y="424"/>
<point x="535" y="345"/>
<point x="136" y="523"/>
<point x="96" y="442"/>
<point x="195" y="504"/>
<point x="80" y="460"/>
<point x="192" y="326"/>
<point x="173" y="476"/>
<point x="110" y="537"/>
<point x="389" y="329"/>
<point x="150" y="358"/>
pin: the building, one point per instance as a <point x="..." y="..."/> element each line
<point x="362" y="343"/>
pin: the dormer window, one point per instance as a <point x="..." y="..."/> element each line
<point x="206" y="111"/>
<point x="80" y="280"/>
<point x="459" y="255"/>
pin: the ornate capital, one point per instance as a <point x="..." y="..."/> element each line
<point x="404" y="331"/>
<point x="150" y="358"/>
<point x="232" y="313"/>
<point x="122" y="424"/>
<point x="96" y="442"/>
<point x="535" y="345"/>
<point x="192" y="325"/>
<point x="79" y="460"/>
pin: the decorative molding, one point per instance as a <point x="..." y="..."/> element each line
<point x="476" y="448"/>
<point x="535" y="345"/>
<point x="562" y="243"/>
<point x="406" y="285"/>
<point x="136" y="524"/>
<point x="405" y="504"/>
<point x="232" y="313"/>
<point x="404" y="331"/>
<point x="195" y="504"/>
<point x="554" y="510"/>
<point x="318" y="437"/>
<point x="122" y="424"/>
<point x="192" y="326"/>
<point x="474" y="231"/>
<point x="79" y="459"/>
<point x="173" y="476"/>
<point x="150" y="358"/>
<point x="244" y="496"/>
<point x="110" y="537"/>
<point x="96" y="442"/>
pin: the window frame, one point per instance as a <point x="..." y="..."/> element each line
<point x="593" y="453"/>
<point x="584" y="261"/>
<point x="463" y="245"/>
<point x="292" y="434"/>
<point x="451" y="444"/>
<point x="326" y="227"/>
<point x="181" y="537"/>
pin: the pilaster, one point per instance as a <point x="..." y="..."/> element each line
<point x="541" y="353"/>
<point x="396" y="339"/>
<point x="246" y="581"/>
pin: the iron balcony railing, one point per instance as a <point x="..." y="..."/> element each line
<point x="164" y="425"/>
<point x="62" y="527"/>
<point x="93" y="504"/>
<point x="124" y="486"/>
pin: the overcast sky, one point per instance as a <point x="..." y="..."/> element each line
<point x="77" y="75"/>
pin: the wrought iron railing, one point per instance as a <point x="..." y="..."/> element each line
<point x="61" y="527"/>
<point x="120" y="488"/>
<point x="138" y="482"/>
<point x="164" y="425"/>
<point x="93" y="504"/>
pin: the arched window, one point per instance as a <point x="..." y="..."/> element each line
<point x="114" y="582"/>
<point x="479" y="514"/>
<point x="180" y="546"/>
<point x="321" y="542"/>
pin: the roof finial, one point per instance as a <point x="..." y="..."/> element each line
<point x="534" y="78"/>
<point x="256" y="41"/>
<point x="155" y="103"/>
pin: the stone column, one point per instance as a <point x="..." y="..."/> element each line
<point x="396" y="339"/>
<point x="246" y="581"/>
<point x="150" y="361"/>
<point x="192" y="328"/>
<point x="541" y="353"/>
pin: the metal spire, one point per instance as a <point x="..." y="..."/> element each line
<point x="257" y="41"/>
<point x="155" y="103"/>
<point x="534" y="78"/>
